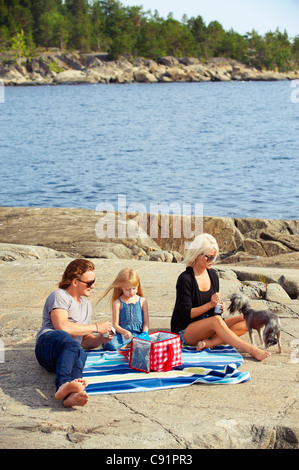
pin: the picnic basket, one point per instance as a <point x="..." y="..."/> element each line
<point x="161" y="352"/>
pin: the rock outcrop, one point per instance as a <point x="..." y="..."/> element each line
<point x="77" y="68"/>
<point x="36" y="244"/>
<point x="262" y="413"/>
<point x="86" y="233"/>
<point x="14" y="252"/>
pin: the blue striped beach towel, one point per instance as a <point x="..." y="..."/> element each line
<point x="109" y="372"/>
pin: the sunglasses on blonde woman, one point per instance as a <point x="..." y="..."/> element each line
<point x="210" y="258"/>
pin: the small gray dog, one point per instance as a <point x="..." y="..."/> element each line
<point x="257" y="319"/>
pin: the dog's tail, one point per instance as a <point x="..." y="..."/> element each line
<point x="270" y="333"/>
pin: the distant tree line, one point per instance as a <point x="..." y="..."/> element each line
<point x="108" y="25"/>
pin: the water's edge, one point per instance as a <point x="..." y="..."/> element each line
<point x="76" y="68"/>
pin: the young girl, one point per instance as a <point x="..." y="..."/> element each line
<point x="129" y="308"/>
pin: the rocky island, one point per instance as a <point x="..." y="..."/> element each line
<point x="62" y="68"/>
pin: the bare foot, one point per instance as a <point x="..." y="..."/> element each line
<point x="69" y="387"/>
<point x="83" y="382"/>
<point x="76" y="399"/>
<point x="259" y="354"/>
<point x="201" y="345"/>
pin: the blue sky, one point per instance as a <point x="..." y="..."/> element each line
<point x="241" y="15"/>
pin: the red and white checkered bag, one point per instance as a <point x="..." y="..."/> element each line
<point x="161" y="353"/>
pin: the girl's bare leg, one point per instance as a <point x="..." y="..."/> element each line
<point x="202" y="329"/>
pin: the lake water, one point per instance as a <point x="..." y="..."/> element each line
<point x="230" y="146"/>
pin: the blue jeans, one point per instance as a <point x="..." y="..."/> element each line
<point x="58" y="352"/>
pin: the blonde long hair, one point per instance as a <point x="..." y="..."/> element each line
<point x="200" y="246"/>
<point x="125" y="276"/>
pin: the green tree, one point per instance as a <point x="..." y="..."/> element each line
<point x="257" y="52"/>
<point x="178" y="38"/>
<point x="109" y="25"/>
<point x="55" y="29"/>
<point x="121" y="26"/>
<point x="150" y="42"/>
<point x="198" y="30"/>
<point x="18" y="17"/>
<point x="19" y="46"/>
<point x="278" y="50"/>
<point x="78" y="16"/>
<point x="215" y="36"/>
<point x="38" y="9"/>
<point x="99" y="40"/>
<point x="273" y="51"/>
<point x="3" y="13"/>
<point x="233" y="45"/>
<point x="295" y="50"/>
<point x="4" y="38"/>
<point x="4" y="27"/>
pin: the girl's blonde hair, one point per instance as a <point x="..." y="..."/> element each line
<point x="125" y="276"/>
<point x="201" y="245"/>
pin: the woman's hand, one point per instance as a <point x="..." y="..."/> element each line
<point x="215" y="299"/>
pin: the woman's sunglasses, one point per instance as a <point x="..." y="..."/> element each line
<point x="210" y="258"/>
<point x="88" y="284"/>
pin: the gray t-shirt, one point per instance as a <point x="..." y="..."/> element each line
<point x="77" y="313"/>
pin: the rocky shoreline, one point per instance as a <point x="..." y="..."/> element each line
<point x="51" y="233"/>
<point x="62" y="68"/>
<point x="150" y="237"/>
<point x="35" y="246"/>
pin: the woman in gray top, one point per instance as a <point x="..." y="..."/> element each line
<point x="67" y="329"/>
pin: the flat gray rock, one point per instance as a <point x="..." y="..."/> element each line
<point x="260" y="413"/>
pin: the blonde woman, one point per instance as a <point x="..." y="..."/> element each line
<point x="197" y="294"/>
<point x="129" y="308"/>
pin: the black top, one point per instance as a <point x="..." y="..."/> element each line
<point x="189" y="296"/>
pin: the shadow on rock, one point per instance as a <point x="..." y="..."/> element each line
<point x="23" y="380"/>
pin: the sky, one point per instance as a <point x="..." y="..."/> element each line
<point x="241" y="15"/>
